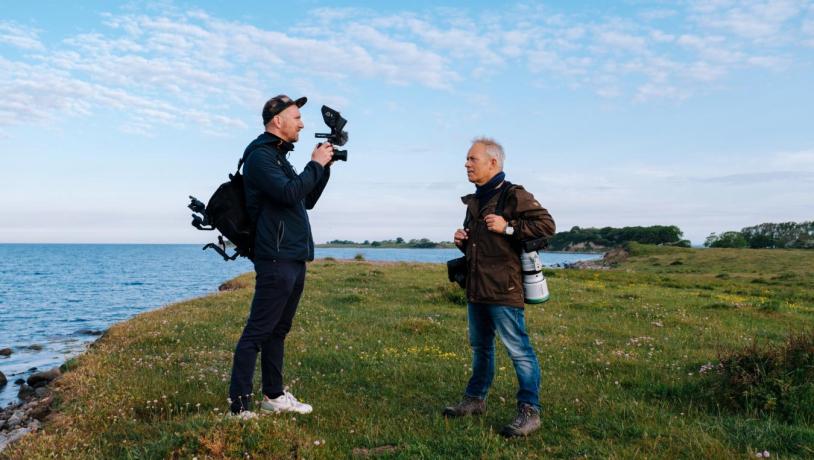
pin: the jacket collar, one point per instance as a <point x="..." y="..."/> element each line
<point x="473" y="205"/>
<point x="282" y="146"/>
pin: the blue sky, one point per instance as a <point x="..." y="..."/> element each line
<point x="696" y="114"/>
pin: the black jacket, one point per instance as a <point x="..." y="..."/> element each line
<point x="277" y="197"/>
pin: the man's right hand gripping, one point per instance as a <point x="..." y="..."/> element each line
<point x="323" y="153"/>
<point x="460" y="237"/>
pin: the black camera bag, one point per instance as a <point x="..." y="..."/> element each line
<point x="226" y="212"/>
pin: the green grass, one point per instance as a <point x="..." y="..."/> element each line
<point x="379" y="349"/>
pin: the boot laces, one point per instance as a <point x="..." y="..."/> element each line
<point x="523" y="415"/>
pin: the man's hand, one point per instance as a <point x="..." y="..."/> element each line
<point x="460" y="236"/>
<point x="323" y="153"/>
<point x="495" y="223"/>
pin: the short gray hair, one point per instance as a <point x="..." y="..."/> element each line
<point x="493" y="149"/>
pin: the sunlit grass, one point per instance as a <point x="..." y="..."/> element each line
<point x="380" y="348"/>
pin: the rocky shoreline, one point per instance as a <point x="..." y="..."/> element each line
<point x="610" y="259"/>
<point x="27" y="416"/>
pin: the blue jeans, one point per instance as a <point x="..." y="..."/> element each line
<point x="510" y="324"/>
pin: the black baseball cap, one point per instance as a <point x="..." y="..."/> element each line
<point x="279" y="103"/>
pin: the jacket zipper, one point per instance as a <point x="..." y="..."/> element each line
<point x="280" y="234"/>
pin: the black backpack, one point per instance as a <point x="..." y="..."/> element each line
<point x="226" y="212"/>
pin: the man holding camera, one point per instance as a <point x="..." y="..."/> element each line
<point x="276" y="199"/>
<point x="494" y="283"/>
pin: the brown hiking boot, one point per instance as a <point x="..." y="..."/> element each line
<point x="526" y="422"/>
<point x="468" y="406"/>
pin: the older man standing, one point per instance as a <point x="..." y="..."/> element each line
<point x="494" y="284"/>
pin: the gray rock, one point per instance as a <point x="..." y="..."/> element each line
<point x="11" y="437"/>
<point x="40" y="409"/>
<point x="90" y="332"/>
<point x="3" y="379"/>
<point x="43" y="378"/>
<point x="35" y="347"/>
<point x="25" y="392"/>
<point x="41" y="392"/>
<point x="19" y="381"/>
<point x="5" y="352"/>
<point x="16" y="419"/>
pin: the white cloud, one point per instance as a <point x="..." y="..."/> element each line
<point x="35" y="94"/>
<point x="807" y="27"/>
<point x="800" y="160"/>
<point x="615" y="40"/>
<point x="754" y="178"/>
<point x="18" y="36"/>
<point x="656" y="14"/>
<point x="195" y="62"/>
<point x="401" y="61"/>
<point x="704" y="71"/>
<point x="650" y="91"/>
<point x="759" y="20"/>
<point x="659" y="36"/>
<point x="769" y="62"/>
<point x="177" y="68"/>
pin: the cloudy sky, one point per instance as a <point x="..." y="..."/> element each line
<point x="696" y="114"/>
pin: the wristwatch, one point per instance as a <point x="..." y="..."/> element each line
<point x="508" y="231"/>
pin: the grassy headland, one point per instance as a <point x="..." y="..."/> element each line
<point x="398" y="243"/>
<point x="379" y="349"/>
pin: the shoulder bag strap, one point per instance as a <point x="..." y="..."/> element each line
<point x="501" y="200"/>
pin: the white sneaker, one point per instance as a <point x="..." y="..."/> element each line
<point x="285" y="403"/>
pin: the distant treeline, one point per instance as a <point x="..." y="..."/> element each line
<point x="588" y="238"/>
<point x="397" y="243"/>
<point x="769" y="235"/>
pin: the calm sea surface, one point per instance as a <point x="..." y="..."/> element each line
<point x="56" y="297"/>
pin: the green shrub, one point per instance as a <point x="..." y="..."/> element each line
<point x="772" y="381"/>
<point x="69" y="365"/>
<point x="457" y="297"/>
<point x="770" y="305"/>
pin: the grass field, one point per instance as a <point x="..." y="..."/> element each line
<point x="379" y="349"/>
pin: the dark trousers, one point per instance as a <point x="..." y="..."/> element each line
<point x="278" y="286"/>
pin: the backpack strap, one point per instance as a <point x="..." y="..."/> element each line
<point x="504" y="196"/>
<point x="501" y="203"/>
<point x="246" y="157"/>
<point x="501" y="206"/>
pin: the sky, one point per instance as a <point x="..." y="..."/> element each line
<point x="690" y="113"/>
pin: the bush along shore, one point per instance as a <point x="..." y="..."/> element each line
<point x="669" y="353"/>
